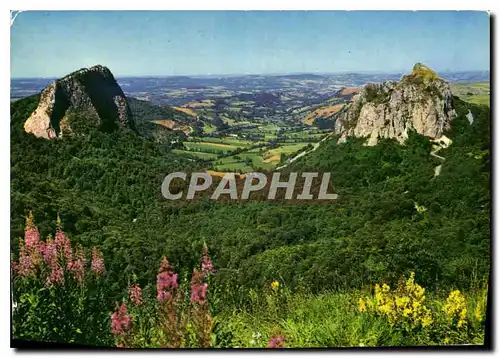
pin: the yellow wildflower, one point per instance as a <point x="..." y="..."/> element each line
<point x="404" y="304"/>
<point x="275" y="285"/>
<point x="455" y="308"/>
<point x="362" y="305"/>
<point x="480" y="308"/>
<point x="462" y="318"/>
<point x="426" y="321"/>
<point x="478" y="312"/>
<point x="406" y="312"/>
<point x="411" y="279"/>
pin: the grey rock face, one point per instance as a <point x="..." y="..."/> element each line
<point x="92" y="94"/>
<point x="420" y="102"/>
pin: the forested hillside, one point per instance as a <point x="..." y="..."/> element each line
<point x="106" y="188"/>
<point x="393" y="216"/>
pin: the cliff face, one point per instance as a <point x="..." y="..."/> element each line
<point x="92" y="95"/>
<point x="421" y="101"/>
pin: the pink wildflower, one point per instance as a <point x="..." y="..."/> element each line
<point x="26" y="266"/>
<point x="64" y="245"/>
<point x="198" y="288"/>
<point x="31" y="234"/>
<point x="49" y="251"/>
<point x="276" y="342"/>
<point x="78" y="266"/>
<point x="120" y="320"/>
<point x="135" y="294"/>
<point x="206" y="262"/>
<point x="166" y="282"/>
<point x="56" y="275"/>
<point x="97" y="264"/>
<point x="14" y="265"/>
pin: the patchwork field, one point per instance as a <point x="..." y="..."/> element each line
<point x="248" y="146"/>
<point x="188" y="111"/>
<point x="227" y="141"/>
<point x="322" y="112"/>
<point x="200" y="155"/>
<point x="209" y="147"/>
<point x="478" y="92"/>
<point x="287" y="149"/>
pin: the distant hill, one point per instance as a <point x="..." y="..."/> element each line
<point x="261" y="98"/>
<point x="323" y="112"/>
<point x="148" y="111"/>
<point x="321" y="115"/>
<point x="347" y="93"/>
<point x="305" y="76"/>
<point x="153" y="120"/>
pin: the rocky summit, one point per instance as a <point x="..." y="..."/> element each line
<point x="88" y="97"/>
<point x="420" y="102"/>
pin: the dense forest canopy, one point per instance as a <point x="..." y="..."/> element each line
<point x="393" y="215"/>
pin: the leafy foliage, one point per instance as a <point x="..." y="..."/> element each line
<point x="145" y="113"/>
<point x="393" y="216"/>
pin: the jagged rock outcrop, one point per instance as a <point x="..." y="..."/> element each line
<point x="421" y="102"/>
<point x="90" y="96"/>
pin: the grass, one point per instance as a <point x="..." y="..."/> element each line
<point x="477" y="92"/>
<point x="481" y="99"/>
<point x="242" y="103"/>
<point x="238" y="161"/>
<point x="305" y="321"/>
<point x="274" y="158"/>
<point x="260" y="162"/>
<point x="228" y="160"/>
<point x="287" y="149"/>
<point x="201" y="155"/>
<point x="270" y="128"/>
<point x="200" y="104"/>
<point x="209" y="147"/>
<point x="334" y="319"/>
<point x="208" y="128"/>
<point x="322" y="112"/>
<point x="405" y="314"/>
<point x="228" y="140"/>
<point x="305" y="134"/>
<point x="188" y="111"/>
<point x="240" y="167"/>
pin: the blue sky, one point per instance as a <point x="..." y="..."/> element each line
<point x="49" y="44"/>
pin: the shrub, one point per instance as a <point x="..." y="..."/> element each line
<point x="57" y="296"/>
<point x="175" y="318"/>
<point x="437" y="323"/>
<point x="403" y="307"/>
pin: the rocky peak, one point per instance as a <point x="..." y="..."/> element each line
<point x="421" y="101"/>
<point x="87" y="97"/>
<point x="422" y="71"/>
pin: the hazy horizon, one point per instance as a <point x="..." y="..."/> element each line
<point x="223" y="75"/>
<point x="50" y="44"/>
